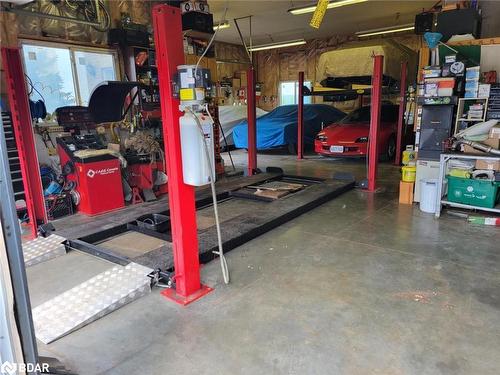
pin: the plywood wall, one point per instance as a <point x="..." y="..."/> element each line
<point x="231" y="58"/>
<point x="275" y="66"/>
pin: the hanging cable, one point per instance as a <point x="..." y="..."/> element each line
<point x="33" y="88"/>
<point x="225" y="141"/>
<point x="220" y="253"/>
<point x="211" y="40"/>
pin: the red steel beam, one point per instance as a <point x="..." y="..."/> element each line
<point x="181" y="199"/>
<point x="252" y="122"/>
<point x="401" y="115"/>
<point x="300" y="121"/>
<point x="375" y="111"/>
<point x="25" y="140"/>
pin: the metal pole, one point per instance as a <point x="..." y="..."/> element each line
<point x="375" y="111"/>
<point x="249" y="54"/>
<point x="181" y="199"/>
<point x="300" y="122"/>
<point x="25" y="141"/>
<point x="401" y="115"/>
<point x="15" y="256"/>
<point x="252" y="127"/>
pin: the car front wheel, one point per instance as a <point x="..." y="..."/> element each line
<point x="391" y="148"/>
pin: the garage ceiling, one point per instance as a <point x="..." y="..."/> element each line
<point x="272" y="23"/>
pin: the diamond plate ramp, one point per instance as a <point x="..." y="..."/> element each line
<point x="42" y="249"/>
<point x="90" y="301"/>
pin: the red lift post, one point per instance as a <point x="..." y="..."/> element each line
<point x="300" y="123"/>
<point x="375" y="111"/>
<point x="252" y="122"/>
<point x="181" y="197"/>
<point x="25" y="141"/>
<point x="402" y="104"/>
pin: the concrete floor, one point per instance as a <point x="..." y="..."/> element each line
<point x="360" y="285"/>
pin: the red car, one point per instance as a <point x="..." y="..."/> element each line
<point x="349" y="136"/>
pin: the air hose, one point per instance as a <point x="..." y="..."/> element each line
<point x="220" y="253"/>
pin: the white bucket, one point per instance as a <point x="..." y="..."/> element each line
<point x="428" y="194"/>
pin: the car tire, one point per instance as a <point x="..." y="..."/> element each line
<point x="390" y="152"/>
<point x="292" y="148"/>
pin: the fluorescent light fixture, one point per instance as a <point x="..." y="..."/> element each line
<point x="222" y="25"/>
<point x="385" y="30"/>
<point x="333" y="4"/>
<point x="289" y="43"/>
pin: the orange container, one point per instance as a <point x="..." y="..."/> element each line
<point x="406" y="192"/>
<point x="447" y="83"/>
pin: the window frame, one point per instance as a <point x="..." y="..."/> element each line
<point x="296" y="92"/>
<point x="72" y="48"/>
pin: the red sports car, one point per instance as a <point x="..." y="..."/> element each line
<point x="349" y="136"/>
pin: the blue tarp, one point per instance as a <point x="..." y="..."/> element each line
<point x="279" y="127"/>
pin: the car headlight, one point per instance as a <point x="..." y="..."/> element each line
<point x="321" y="137"/>
<point x="362" y="140"/>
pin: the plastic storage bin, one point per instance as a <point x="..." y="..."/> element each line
<point x="156" y="222"/>
<point x="408" y="173"/>
<point x="479" y="193"/>
<point x="428" y="194"/>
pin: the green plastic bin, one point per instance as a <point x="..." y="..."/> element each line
<point x="479" y="193"/>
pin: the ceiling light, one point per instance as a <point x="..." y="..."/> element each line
<point x="221" y="25"/>
<point x="331" y="5"/>
<point x="289" y="43"/>
<point x="385" y="30"/>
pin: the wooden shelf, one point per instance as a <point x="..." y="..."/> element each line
<point x="197" y="34"/>
<point x="470" y="119"/>
<point x="475" y="42"/>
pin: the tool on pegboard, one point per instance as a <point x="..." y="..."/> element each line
<point x="319" y="13"/>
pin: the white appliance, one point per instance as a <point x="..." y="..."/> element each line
<point x="427" y="170"/>
<point x="194" y="147"/>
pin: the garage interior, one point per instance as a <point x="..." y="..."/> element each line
<point x="233" y="187"/>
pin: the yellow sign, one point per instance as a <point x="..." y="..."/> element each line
<point x="319" y="13"/>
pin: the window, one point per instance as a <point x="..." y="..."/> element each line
<point x="66" y="75"/>
<point x="389" y="114"/>
<point x="289" y="92"/>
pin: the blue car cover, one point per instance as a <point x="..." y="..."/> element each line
<point x="279" y="127"/>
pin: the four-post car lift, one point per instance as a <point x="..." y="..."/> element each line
<point x="375" y="91"/>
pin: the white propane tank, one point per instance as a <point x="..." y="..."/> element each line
<point x="194" y="160"/>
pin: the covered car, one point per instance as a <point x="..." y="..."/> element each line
<point x="229" y="117"/>
<point x="279" y="127"/>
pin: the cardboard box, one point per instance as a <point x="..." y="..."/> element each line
<point x="236" y="83"/>
<point x="492" y="142"/>
<point x="495" y="132"/>
<point x="491" y="164"/>
<point x="242" y="75"/>
<point x="484" y="90"/>
<point x="406" y="192"/>
<point x="469" y="150"/>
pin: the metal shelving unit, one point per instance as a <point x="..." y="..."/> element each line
<point x="443" y="167"/>
<point x="462" y="118"/>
